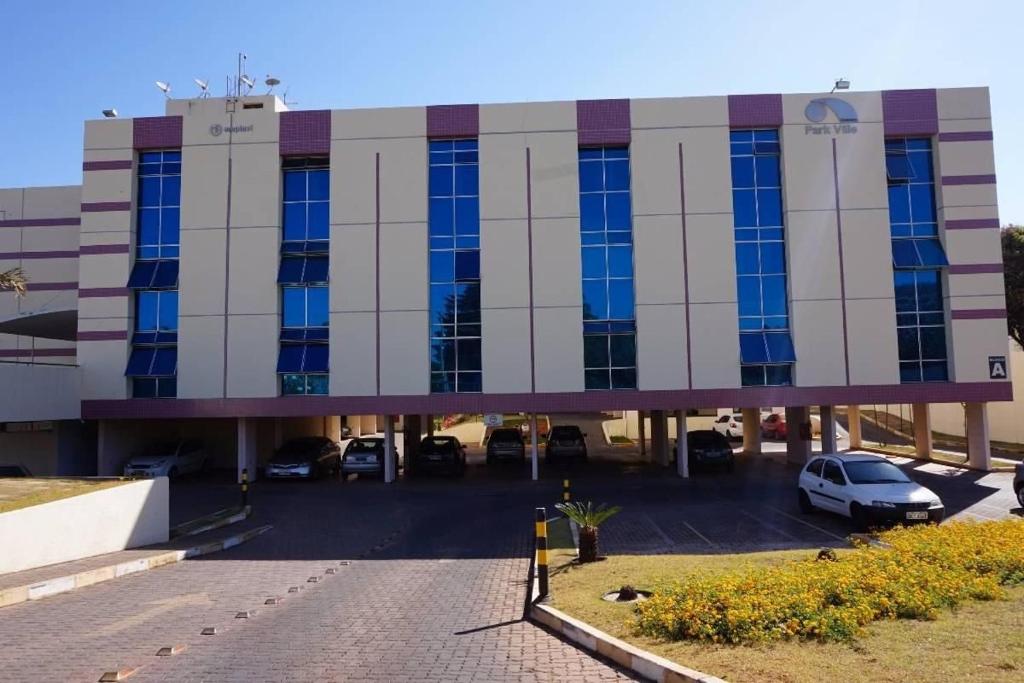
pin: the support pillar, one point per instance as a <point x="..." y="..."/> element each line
<point x="751" y="430"/>
<point x="278" y="433"/>
<point x="828" y="430"/>
<point x="110" y="456"/>
<point x="922" y="430"/>
<point x="853" y="419"/>
<point x="798" y="448"/>
<point x="979" y="450"/>
<point x="411" y="436"/>
<point x="389" y="448"/>
<point x="641" y="430"/>
<point x="246" y="445"/>
<point x="659" y="437"/>
<point x="430" y="424"/>
<point x="682" y="461"/>
<point x="533" y="446"/>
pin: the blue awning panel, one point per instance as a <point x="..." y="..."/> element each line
<point x="294" y="358"/>
<point x="152" y="361"/>
<point x="918" y="253"/>
<point x="154" y="275"/>
<point x="763" y="348"/>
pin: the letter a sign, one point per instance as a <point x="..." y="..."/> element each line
<point x="997" y="367"/>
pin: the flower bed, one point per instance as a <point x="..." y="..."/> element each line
<point x="925" y="569"/>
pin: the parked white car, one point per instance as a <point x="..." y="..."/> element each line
<point x="167" y="459"/>
<point x="868" y="489"/>
<point x="730" y="425"/>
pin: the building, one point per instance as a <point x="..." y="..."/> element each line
<point x="246" y="271"/>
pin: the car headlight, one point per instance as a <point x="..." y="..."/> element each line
<point x="882" y="504"/>
<point x="935" y="503"/>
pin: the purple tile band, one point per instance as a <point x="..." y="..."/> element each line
<point x="603" y="122"/>
<point x="102" y="335"/>
<point x="104" y="249"/>
<point x="966" y="136"/>
<point x="117" y="165"/>
<point x="155" y="132"/>
<point x="305" y="132"/>
<point x="453" y="121"/>
<point x="971" y="223"/>
<point x="294" y="406"/>
<point x="102" y="292"/>
<point x="974" y="268"/>
<point x="36" y="353"/>
<point x="51" y="286"/>
<point x="755" y="111"/>
<point x="40" y="222"/>
<point x="981" y="179"/>
<point x="34" y="255"/>
<point x="910" y="112"/>
<point x="979" y="314"/>
<point x="96" y="207"/>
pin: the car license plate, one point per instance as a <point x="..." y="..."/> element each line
<point x="433" y="457"/>
<point x="360" y="458"/>
<point x="917" y="515"/>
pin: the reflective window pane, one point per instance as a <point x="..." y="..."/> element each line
<point x="594" y="262"/>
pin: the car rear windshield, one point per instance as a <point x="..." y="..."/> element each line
<point x="874" y="472"/>
<point x="706" y="439"/>
<point x="365" y="444"/>
<point x="436" y="445"/>
<point x="506" y="436"/>
<point x="566" y="433"/>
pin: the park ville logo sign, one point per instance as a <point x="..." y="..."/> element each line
<point x="817" y="110"/>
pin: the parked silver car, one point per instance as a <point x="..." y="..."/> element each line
<point x="167" y="459"/>
<point x="365" y="455"/>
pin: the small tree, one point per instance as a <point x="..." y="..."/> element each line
<point x="13" y="279"/>
<point x="1013" y="268"/>
<point x="589" y="519"/>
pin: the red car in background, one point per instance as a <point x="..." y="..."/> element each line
<point x="773" y="427"/>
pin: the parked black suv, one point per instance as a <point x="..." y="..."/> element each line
<point x="565" y="442"/>
<point x="708" y="447"/>
<point x="506" y="444"/>
<point x="441" y="454"/>
<point x="308" y="457"/>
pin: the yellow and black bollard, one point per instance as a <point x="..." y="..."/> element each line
<point x="566" y="495"/>
<point x="245" y="486"/>
<point x="542" y="551"/>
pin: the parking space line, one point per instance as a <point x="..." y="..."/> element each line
<point x="771" y="527"/>
<point x="702" y="536"/>
<point x="806" y="523"/>
<point x="664" y="537"/>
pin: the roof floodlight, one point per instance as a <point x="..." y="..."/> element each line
<point x="110" y="113"/>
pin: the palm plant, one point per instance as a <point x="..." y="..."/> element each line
<point x="13" y="279"/>
<point x="589" y="518"/>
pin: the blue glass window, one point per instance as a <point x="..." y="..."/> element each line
<point x="766" y="347"/>
<point x="302" y="358"/>
<point x="303" y="384"/>
<point x="606" y="235"/>
<point x="152" y="361"/>
<point x="304" y="307"/>
<point x="302" y="270"/>
<point x="154" y="387"/>
<point x="917" y="259"/>
<point x="156" y="310"/>
<point x="454" y="228"/>
<point x="159" y="204"/>
<point x="306" y="210"/>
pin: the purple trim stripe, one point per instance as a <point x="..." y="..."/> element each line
<point x="910" y="112"/>
<point x="40" y="222"/>
<point x="755" y="111"/>
<point x="155" y="132"/>
<point x="529" y="268"/>
<point x="971" y="223"/>
<point x="96" y="207"/>
<point x="33" y="255"/>
<point x="438" y="404"/>
<point x="979" y="314"/>
<point x="974" y="268"/>
<point x="686" y="271"/>
<point x="980" y="179"/>
<point x="51" y="286"/>
<point x="966" y="136"/>
<point x="102" y="335"/>
<point x="305" y="132"/>
<point x="37" y="353"/>
<point x="376" y="254"/>
<point x="603" y="122"/>
<point x="842" y="265"/>
<point x="90" y="249"/>
<point x="453" y="121"/>
<point x="114" y="165"/>
<point x="102" y="292"/>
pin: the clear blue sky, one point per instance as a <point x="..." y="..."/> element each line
<point x="62" y="62"/>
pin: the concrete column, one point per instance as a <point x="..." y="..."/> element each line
<point x="979" y="450"/>
<point x="641" y="431"/>
<point x="853" y="418"/>
<point x="246" y="445"/>
<point x="430" y="425"/>
<point x="751" y="430"/>
<point x="922" y="430"/>
<point x="828" y="430"/>
<point x="533" y="446"/>
<point x="659" y="437"/>
<point x="389" y="448"/>
<point x="411" y="435"/>
<point x="798" y="449"/>
<point x="278" y="433"/>
<point x="682" y="461"/>
<point x="110" y="454"/>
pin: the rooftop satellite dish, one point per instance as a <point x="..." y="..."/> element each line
<point x="247" y="81"/>
<point x="204" y="87"/>
<point x="271" y="82"/>
<point x="165" y="88"/>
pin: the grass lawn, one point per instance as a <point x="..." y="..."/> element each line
<point x="981" y="641"/>
<point x="17" y="493"/>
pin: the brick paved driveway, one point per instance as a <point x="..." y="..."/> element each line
<point x="435" y="589"/>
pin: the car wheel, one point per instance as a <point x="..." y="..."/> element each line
<point x="805" y="503"/>
<point x="860" y="521"/>
<point x="1020" y="496"/>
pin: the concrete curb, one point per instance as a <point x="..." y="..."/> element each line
<point x="642" y="663"/>
<point x="64" y="584"/>
<point x="936" y="461"/>
<point x="215" y="520"/>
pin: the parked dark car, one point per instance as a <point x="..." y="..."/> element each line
<point x="506" y="444"/>
<point x="565" y="442"/>
<point x="441" y="454"/>
<point x="365" y="455"/>
<point x="14" y="471"/>
<point x="706" y="447"/>
<point x="1018" y="484"/>
<point x="308" y="457"/>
